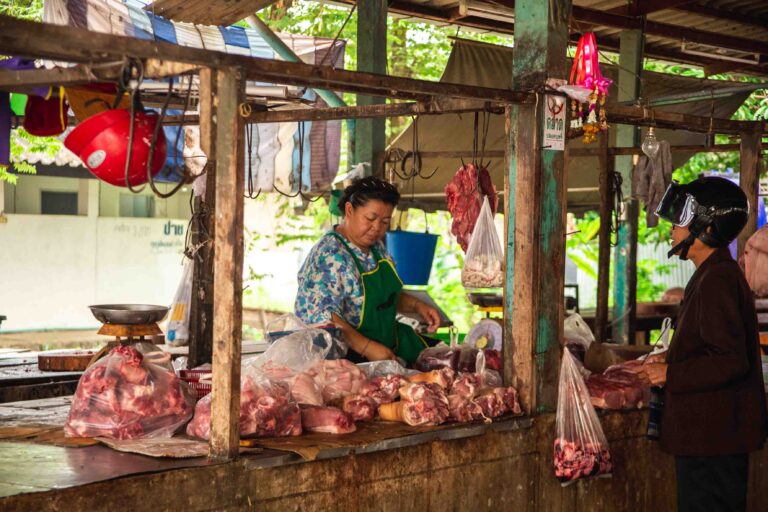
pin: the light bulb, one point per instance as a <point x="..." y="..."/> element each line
<point x="650" y="144"/>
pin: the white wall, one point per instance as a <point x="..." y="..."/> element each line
<point x="52" y="266"/>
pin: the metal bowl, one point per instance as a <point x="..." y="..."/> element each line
<point x="128" y="313"/>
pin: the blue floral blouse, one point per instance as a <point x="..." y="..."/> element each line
<point x="329" y="281"/>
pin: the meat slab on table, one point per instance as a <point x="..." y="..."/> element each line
<point x="326" y="420"/>
<point x="384" y="389"/>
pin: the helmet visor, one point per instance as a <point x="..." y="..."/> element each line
<point x="677" y="206"/>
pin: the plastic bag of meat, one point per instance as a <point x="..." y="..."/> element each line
<point x="131" y="393"/>
<point x="266" y="410"/>
<point x="577" y="335"/>
<point x="484" y="264"/>
<point x="288" y="360"/>
<point x="581" y="448"/>
<point x="337" y="378"/>
<point x="464" y="195"/>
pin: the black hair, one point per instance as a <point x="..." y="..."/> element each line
<point x="367" y="189"/>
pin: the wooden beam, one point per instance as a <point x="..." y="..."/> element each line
<point x="696" y="148"/>
<point x="204" y="226"/>
<point x="370" y="134"/>
<point x="45" y="40"/>
<point x="642" y="8"/>
<point x="437" y="107"/>
<point x="207" y="12"/>
<point x="752" y="19"/>
<point x="669" y="31"/>
<point x="749" y="180"/>
<point x="604" y="242"/>
<point x="536" y="267"/>
<point x="228" y="267"/>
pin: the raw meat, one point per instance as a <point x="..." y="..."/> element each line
<point x="492" y="359"/>
<point x="265" y="411"/>
<point x="466" y="386"/>
<point x="359" y="407"/>
<point x="424" y="404"/>
<point x="462" y="409"/>
<point x="440" y="356"/>
<point x="127" y="396"/>
<point x="383" y="390"/>
<point x="442" y="377"/>
<point x="304" y="390"/>
<point x="337" y="378"/>
<point x="326" y="420"/>
<point x="573" y="461"/>
<point x="464" y="194"/>
<point x="619" y="387"/>
<point x="496" y="402"/>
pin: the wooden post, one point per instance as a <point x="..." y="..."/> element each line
<point x="228" y="266"/>
<point x="370" y="134"/>
<point x="604" y="249"/>
<point x="749" y="180"/>
<point x="201" y="313"/>
<point x="516" y="364"/>
<point x="625" y="270"/>
<point x="537" y="209"/>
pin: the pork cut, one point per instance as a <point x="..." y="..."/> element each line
<point x="326" y="420"/>
<point x="424" y="404"/>
<point x="574" y="461"/>
<point x="125" y="395"/>
<point x="337" y="378"/>
<point x="464" y="194"/>
<point x="359" y="407"/>
<point x="384" y="389"/>
<point x="265" y="411"/>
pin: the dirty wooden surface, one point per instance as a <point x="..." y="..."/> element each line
<point x="509" y="470"/>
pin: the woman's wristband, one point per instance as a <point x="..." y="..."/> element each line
<point x="362" y="354"/>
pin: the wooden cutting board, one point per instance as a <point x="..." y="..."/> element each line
<point x="69" y="361"/>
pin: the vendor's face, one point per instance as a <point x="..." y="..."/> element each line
<point x="680" y="233"/>
<point x="368" y="223"/>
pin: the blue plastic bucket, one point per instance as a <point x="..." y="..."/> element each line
<point x="413" y="253"/>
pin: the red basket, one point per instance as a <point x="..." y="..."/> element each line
<point x="192" y="378"/>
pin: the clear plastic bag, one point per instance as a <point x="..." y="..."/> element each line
<point x="131" y="393"/>
<point x="290" y="323"/>
<point x="178" y="325"/>
<point x="581" y="448"/>
<point x="266" y="410"/>
<point x="484" y="264"/>
<point x="373" y="369"/>
<point x="577" y="335"/>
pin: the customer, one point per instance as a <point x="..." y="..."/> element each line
<point x="714" y="402"/>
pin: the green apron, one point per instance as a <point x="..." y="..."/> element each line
<point x="381" y="292"/>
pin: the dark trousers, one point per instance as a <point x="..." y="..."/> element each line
<point x="712" y="484"/>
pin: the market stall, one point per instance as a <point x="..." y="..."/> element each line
<point x="419" y="461"/>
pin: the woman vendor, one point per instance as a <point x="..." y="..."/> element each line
<point x="349" y="279"/>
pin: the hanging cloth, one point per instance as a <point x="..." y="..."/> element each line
<point x="650" y="179"/>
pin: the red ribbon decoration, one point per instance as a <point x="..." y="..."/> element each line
<point x="586" y="66"/>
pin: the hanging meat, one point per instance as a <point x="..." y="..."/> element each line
<point x="464" y="194"/>
<point x="129" y="394"/>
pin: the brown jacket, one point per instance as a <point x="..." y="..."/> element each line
<point x="714" y="396"/>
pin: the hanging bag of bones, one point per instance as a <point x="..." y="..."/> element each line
<point x="484" y="267"/>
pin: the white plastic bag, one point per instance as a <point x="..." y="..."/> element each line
<point x="484" y="265"/>
<point x="577" y="336"/>
<point x="581" y="448"/>
<point x="178" y="325"/>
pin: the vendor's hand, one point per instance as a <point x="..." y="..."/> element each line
<point x="377" y="352"/>
<point x="657" y="358"/>
<point x="430" y="316"/>
<point x="655" y="373"/>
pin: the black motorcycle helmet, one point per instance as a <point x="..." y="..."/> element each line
<point x="715" y="210"/>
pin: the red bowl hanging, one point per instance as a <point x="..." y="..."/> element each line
<point x="101" y="142"/>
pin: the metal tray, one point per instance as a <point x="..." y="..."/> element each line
<point x="128" y="313"/>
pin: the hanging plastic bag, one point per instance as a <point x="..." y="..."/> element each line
<point x="577" y="336"/>
<point x="132" y="393"/>
<point x="484" y="267"/>
<point x="178" y="325"/>
<point x="581" y="448"/>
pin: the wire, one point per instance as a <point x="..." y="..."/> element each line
<point x="338" y="34"/>
<point x="249" y="149"/>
